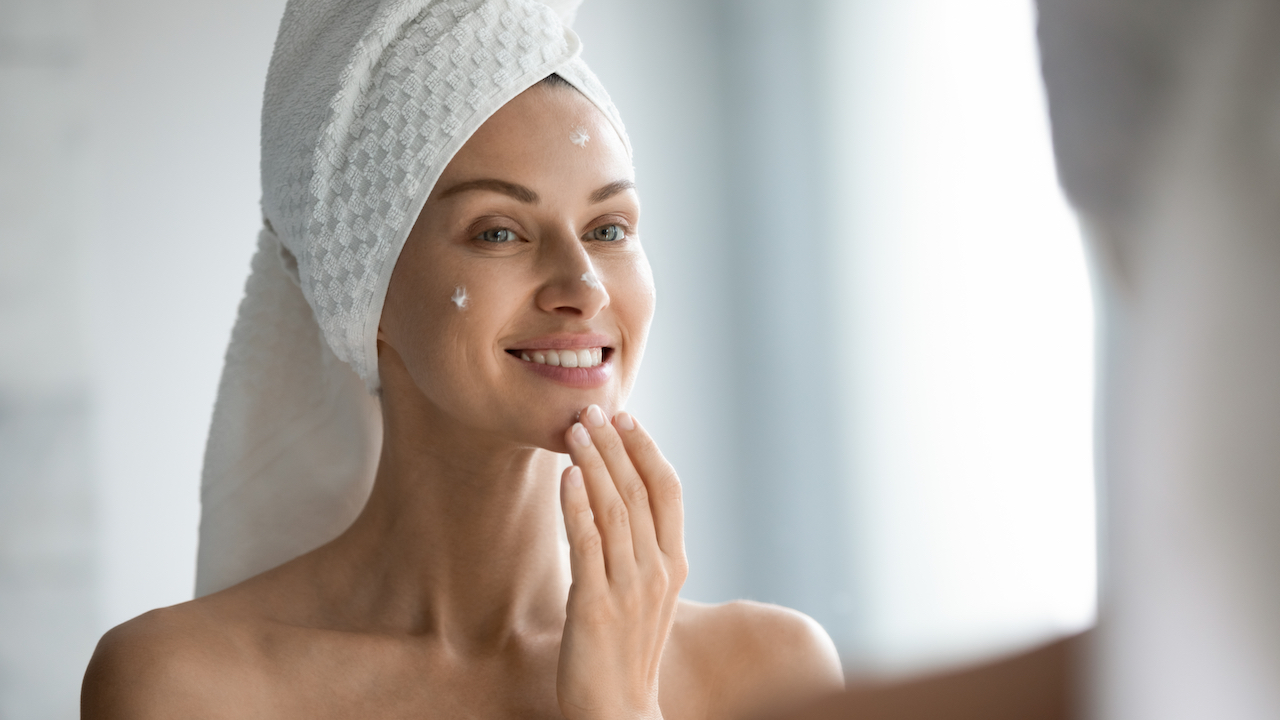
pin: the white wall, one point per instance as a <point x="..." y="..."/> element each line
<point x="128" y="209"/>
<point x="175" y="100"/>
<point x="48" y="620"/>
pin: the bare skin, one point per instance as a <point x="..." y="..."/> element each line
<point x="448" y="596"/>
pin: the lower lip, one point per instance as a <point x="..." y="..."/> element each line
<point x="586" y="378"/>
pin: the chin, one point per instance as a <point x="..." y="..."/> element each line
<point x="546" y="425"/>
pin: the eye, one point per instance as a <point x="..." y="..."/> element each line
<point x="497" y="236"/>
<point x="607" y="233"/>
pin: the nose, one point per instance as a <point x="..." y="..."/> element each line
<point x="571" y="287"/>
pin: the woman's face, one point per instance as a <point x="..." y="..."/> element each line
<point x="522" y="294"/>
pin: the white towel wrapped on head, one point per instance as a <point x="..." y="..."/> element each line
<point x="366" y="102"/>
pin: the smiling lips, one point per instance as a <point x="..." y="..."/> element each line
<point x="581" y="361"/>
<point x="569" y="358"/>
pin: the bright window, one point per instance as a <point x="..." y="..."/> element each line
<point x="968" y="332"/>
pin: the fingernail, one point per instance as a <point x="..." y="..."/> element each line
<point x="595" y="416"/>
<point x="580" y="435"/>
<point x="575" y="477"/>
<point x="624" y="421"/>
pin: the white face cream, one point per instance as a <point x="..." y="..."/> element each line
<point x="579" y="136"/>
<point x="460" y="297"/>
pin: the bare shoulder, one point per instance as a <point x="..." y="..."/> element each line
<point x="171" y="662"/>
<point x="758" y="657"/>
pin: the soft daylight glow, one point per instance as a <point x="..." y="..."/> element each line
<point x="969" y="328"/>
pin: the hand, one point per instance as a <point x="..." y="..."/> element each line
<point x="625" y="521"/>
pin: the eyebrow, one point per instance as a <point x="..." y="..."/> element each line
<point x="519" y="192"/>
<point x="525" y="195"/>
<point x="611" y="189"/>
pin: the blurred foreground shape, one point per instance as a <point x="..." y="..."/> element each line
<point x="1166" y="121"/>
<point x="1035" y="685"/>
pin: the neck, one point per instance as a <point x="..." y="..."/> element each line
<point x="458" y="539"/>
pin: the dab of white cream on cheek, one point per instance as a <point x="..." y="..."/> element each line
<point x="592" y="280"/>
<point x="460" y="297"/>
<point x="579" y="136"/>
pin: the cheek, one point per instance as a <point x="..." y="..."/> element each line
<point x="641" y="291"/>
<point x="427" y="304"/>
<point x="634" y="297"/>
<point x="464" y="312"/>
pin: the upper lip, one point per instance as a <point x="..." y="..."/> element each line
<point x="563" y="341"/>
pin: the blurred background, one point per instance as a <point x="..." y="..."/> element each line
<point x="860" y="243"/>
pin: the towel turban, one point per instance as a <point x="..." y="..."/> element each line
<point x="366" y="102"/>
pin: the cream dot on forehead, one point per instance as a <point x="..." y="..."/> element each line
<point x="579" y="136"/>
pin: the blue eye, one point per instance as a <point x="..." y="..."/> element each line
<point x="607" y="233"/>
<point x="497" y="235"/>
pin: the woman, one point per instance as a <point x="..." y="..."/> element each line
<point x="501" y="321"/>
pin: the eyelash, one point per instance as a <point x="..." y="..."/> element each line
<point x="624" y="232"/>
<point x="483" y="233"/>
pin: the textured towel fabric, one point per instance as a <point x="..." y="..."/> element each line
<point x="366" y="102"/>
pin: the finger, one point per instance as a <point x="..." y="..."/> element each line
<point x="607" y="505"/>
<point x="666" y="498"/>
<point x="586" y="560"/>
<point x="627" y="480"/>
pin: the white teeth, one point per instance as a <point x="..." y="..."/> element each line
<point x="584" y="358"/>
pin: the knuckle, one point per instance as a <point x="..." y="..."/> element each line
<point x="635" y="492"/>
<point x="672" y="490"/>
<point x="653" y="571"/>
<point x="657" y="587"/>
<point x="678" y="569"/>
<point x="589" y="543"/>
<point x="580" y="514"/>
<point x="609" y="440"/>
<point x="616" y="513"/>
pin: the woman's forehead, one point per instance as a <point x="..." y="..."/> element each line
<point x="544" y="131"/>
